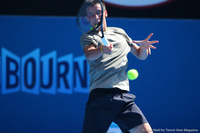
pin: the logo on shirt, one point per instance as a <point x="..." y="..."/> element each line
<point x="136" y="3"/>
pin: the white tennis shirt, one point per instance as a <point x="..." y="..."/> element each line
<point x="109" y="70"/>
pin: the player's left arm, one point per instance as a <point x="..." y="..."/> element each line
<point x="139" y="52"/>
<point x="144" y="48"/>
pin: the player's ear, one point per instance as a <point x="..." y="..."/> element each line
<point x="106" y="13"/>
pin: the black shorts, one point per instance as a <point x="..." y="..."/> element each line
<point x="105" y="106"/>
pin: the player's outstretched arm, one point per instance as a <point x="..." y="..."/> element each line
<point x="144" y="48"/>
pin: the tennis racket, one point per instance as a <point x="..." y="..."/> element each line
<point x="91" y="21"/>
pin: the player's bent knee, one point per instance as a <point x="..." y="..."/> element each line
<point x="144" y="128"/>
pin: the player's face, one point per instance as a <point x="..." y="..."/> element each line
<point x="94" y="14"/>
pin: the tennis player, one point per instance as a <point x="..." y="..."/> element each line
<point x="109" y="99"/>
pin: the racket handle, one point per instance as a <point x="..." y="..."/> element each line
<point x="104" y="41"/>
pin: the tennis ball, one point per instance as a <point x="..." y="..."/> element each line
<point x="132" y="74"/>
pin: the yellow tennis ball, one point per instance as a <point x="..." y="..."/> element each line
<point x="132" y="74"/>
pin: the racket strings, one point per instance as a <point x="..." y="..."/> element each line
<point x="83" y="19"/>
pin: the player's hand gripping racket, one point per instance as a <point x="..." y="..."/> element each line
<point x="90" y="20"/>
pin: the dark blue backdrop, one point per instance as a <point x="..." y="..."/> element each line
<point x="167" y="88"/>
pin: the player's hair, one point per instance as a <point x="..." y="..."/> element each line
<point x="93" y="2"/>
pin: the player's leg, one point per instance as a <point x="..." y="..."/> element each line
<point x="144" y="128"/>
<point x="95" y="122"/>
<point x="99" y="113"/>
<point x="130" y="118"/>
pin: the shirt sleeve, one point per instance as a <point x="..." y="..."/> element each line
<point x="128" y="39"/>
<point x="124" y="34"/>
<point x="86" y="40"/>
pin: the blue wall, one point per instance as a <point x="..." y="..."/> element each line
<point x="167" y="88"/>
